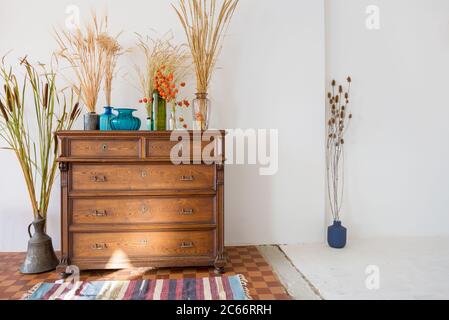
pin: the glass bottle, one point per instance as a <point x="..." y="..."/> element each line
<point x="159" y="112"/>
<point x="105" y="119"/>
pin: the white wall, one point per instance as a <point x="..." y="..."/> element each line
<point x="271" y="76"/>
<point x="397" y="155"/>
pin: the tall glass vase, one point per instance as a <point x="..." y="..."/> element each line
<point x="172" y="118"/>
<point x="159" y="111"/>
<point x="201" y="108"/>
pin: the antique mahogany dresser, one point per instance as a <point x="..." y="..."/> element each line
<point x="124" y="203"/>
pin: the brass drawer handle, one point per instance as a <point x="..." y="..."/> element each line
<point x="186" y="178"/>
<point x="144" y="242"/>
<point x="99" y="246"/>
<point x="100" y="213"/>
<point x="98" y="178"/>
<point x="186" y="212"/>
<point x="186" y="245"/>
<point x="104" y="147"/>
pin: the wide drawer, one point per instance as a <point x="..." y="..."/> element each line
<point x="142" y="177"/>
<point x="192" y="209"/>
<point x="122" y="246"/>
<point x="104" y="148"/>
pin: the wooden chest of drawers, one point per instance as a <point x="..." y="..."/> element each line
<point x="125" y="203"/>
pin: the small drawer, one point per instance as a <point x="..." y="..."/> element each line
<point x="142" y="177"/>
<point x="123" y="246"/>
<point x="104" y="148"/>
<point x="189" y="150"/>
<point x="192" y="209"/>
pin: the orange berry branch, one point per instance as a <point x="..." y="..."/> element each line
<point x="165" y="85"/>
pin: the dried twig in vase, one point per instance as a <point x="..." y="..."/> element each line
<point x="339" y="118"/>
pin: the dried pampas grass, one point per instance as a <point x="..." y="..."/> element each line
<point x="205" y="26"/>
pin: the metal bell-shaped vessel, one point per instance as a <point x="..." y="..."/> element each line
<point x="40" y="255"/>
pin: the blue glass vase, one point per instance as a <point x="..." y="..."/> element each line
<point x="125" y="120"/>
<point x="336" y="235"/>
<point x="105" y="119"/>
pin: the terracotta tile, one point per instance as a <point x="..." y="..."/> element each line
<point x="263" y="291"/>
<point x="257" y="279"/>
<point x="277" y="290"/>
<point x="32" y="282"/>
<point x="270" y="278"/>
<point x="6" y="283"/>
<point x="13" y="288"/>
<point x="266" y="297"/>
<point x="259" y="284"/>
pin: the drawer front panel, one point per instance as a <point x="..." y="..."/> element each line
<point x="142" y="177"/>
<point x="143" y="210"/>
<point x="122" y="246"/>
<point x="164" y="149"/>
<point x="105" y="148"/>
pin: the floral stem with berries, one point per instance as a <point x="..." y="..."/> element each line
<point x="164" y="57"/>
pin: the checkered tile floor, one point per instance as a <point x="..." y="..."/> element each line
<point x="262" y="282"/>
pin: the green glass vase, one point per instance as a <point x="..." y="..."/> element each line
<point x="159" y="113"/>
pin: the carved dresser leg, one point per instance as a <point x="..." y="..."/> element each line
<point x="220" y="263"/>
<point x="62" y="267"/>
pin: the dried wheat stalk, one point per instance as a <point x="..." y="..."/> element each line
<point x="83" y="52"/>
<point x="205" y="26"/>
<point x="112" y="50"/>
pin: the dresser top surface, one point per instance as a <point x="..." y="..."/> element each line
<point x="142" y="133"/>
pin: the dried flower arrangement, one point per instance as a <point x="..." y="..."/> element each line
<point x="166" y="66"/>
<point x="85" y="54"/>
<point x="53" y="111"/>
<point x="339" y="118"/>
<point x="205" y="26"/>
<point x="112" y="50"/>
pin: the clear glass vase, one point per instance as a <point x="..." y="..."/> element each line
<point x="201" y="108"/>
<point x="172" y="119"/>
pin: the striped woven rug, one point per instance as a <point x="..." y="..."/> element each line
<point x="214" y="288"/>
